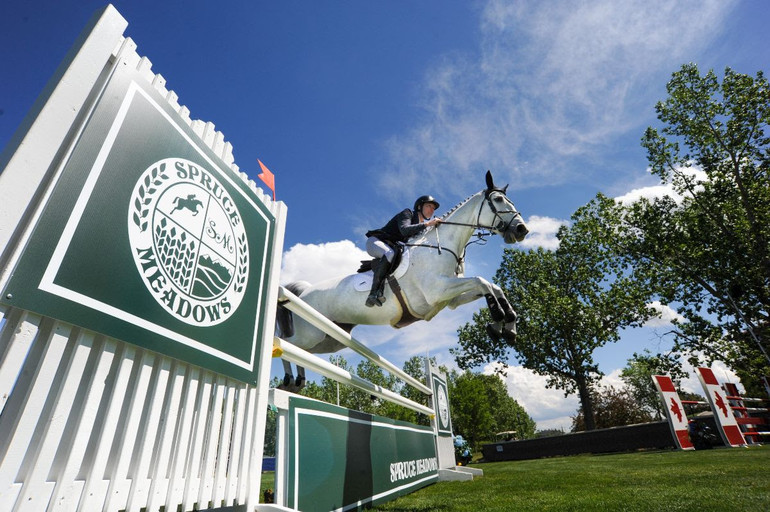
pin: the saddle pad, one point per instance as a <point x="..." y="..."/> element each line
<point x="363" y="282"/>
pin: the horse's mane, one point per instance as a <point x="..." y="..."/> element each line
<point x="448" y="213"/>
<point x="458" y="205"/>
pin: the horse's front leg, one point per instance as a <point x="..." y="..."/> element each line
<point x="471" y="288"/>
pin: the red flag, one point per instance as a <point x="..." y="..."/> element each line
<point x="267" y="177"/>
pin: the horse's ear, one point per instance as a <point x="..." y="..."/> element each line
<point x="490" y="183"/>
<point x="505" y="188"/>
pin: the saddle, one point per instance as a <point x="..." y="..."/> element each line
<point x="398" y="249"/>
<point x="407" y="317"/>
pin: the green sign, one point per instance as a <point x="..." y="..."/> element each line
<point x="150" y="238"/>
<point x="341" y="459"/>
<point x="441" y="405"/>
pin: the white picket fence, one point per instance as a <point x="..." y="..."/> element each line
<point x="90" y="423"/>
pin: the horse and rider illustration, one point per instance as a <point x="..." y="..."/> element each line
<point x="190" y="203"/>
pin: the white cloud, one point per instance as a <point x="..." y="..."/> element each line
<point x="721" y="372"/>
<point x="542" y="232"/>
<point x="663" y="190"/>
<point x="318" y="262"/>
<point x="666" y="315"/>
<point x="548" y="407"/>
<point x="546" y="82"/>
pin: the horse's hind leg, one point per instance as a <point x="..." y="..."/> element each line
<point x="300" y="380"/>
<point x="288" y="377"/>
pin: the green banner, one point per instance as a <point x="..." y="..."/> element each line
<point x="150" y="238"/>
<point x="341" y="459"/>
<point x="441" y="405"/>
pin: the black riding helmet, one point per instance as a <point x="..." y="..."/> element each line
<point x="425" y="199"/>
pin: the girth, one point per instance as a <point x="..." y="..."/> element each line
<point x="407" y="316"/>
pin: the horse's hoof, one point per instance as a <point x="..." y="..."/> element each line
<point x="495" y="311"/>
<point x="509" y="335"/>
<point x="287" y="380"/>
<point x="299" y="382"/>
<point x="494" y="332"/>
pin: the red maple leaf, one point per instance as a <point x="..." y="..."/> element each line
<point x="720" y="403"/>
<point x="676" y="410"/>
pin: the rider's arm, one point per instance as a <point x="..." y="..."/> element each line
<point x="405" y="226"/>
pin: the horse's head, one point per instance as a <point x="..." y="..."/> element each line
<point x="504" y="219"/>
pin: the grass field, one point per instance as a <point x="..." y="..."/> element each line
<point x="725" y="479"/>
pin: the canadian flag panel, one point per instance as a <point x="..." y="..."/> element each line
<point x="677" y="418"/>
<point x="723" y="414"/>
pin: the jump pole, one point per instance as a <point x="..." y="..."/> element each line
<point x="294" y="354"/>
<point x="293" y="303"/>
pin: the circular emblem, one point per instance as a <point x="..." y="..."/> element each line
<point x="443" y="406"/>
<point x="188" y="242"/>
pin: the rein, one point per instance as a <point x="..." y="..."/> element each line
<point x="501" y="226"/>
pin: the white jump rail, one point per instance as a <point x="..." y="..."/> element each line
<point x="296" y="355"/>
<point x="293" y="303"/>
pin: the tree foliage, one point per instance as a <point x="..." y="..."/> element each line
<point x="570" y="301"/>
<point x="481" y="407"/>
<point x="708" y="250"/>
<point x="329" y="390"/>
<point x="638" y="373"/>
<point x="612" y="408"/>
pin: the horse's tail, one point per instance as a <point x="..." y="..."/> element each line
<point x="283" y="316"/>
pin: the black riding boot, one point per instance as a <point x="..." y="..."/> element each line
<point x="380" y="271"/>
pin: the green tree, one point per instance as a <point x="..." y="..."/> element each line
<point x="708" y="250"/>
<point x="471" y="412"/>
<point x="637" y="375"/>
<point x="508" y="414"/>
<point x="331" y="391"/>
<point x="571" y="301"/>
<point x="481" y="407"/>
<point x="613" y="408"/>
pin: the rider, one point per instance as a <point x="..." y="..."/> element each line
<point x="400" y="228"/>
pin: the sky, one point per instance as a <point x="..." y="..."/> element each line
<point x="359" y="107"/>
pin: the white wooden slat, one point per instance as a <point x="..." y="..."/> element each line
<point x="95" y="490"/>
<point x="69" y="488"/>
<point x="37" y="489"/>
<point x="227" y="153"/>
<point x="239" y="426"/>
<point x="159" y="84"/>
<point x="253" y="473"/>
<point x="144" y="67"/>
<point x="162" y="456"/>
<point x="21" y="417"/>
<point x="182" y="438"/>
<point x="225" y="444"/>
<point x="214" y="424"/>
<point x="218" y="144"/>
<point x="197" y="127"/>
<point x="120" y="484"/>
<point x="209" y="132"/>
<point x="245" y="458"/>
<point x="16" y="339"/>
<point x="193" y="466"/>
<point x="173" y="100"/>
<point x="141" y="482"/>
<point x="184" y="113"/>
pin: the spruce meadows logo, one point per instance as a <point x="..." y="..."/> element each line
<point x="443" y="406"/>
<point x="188" y="242"/>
